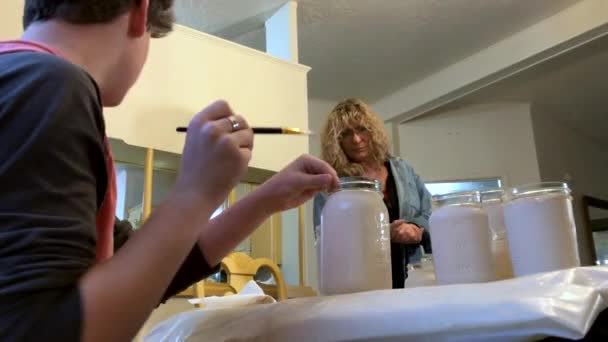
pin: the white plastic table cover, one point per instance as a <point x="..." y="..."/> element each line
<point x="561" y="304"/>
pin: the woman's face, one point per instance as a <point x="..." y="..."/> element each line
<point x="355" y="142"/>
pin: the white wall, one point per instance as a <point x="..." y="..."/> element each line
<point x="317" y="114"/>
<point x="483" y="141"/>
<point x="566" y="155"/>
<point x="549" y="37"/>
<point x="392" y="132"/>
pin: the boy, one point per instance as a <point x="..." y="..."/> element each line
<point x="58" y="278"/>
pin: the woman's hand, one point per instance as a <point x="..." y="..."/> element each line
<point x="405" y="233"/>
<point x="297" y="183"/>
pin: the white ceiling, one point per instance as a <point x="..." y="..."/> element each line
<point x="575" y="84"/>
<point x="370" y="48"/>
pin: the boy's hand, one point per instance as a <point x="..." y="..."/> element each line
<point x="297" y="183"/>
<point x="215" y="156"/>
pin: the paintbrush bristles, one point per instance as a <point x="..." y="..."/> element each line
<point x="289" y="130"/>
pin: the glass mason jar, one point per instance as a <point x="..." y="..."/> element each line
<point x="354" y="239"/>
<point x="540" y="228"/>
<point x="491" y="202"/>
<point x="422" y="273"/>
<point x="461" y="239"/>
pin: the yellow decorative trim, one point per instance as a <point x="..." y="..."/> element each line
<point x="232" y="197"/>
<point x="148" y="175"/>
<point x="276" y="222"/>
<point x="301" y="236"/>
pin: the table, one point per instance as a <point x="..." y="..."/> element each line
<point x="562" y="304"/>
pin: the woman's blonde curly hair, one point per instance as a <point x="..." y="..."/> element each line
<point x="352" y="113"/>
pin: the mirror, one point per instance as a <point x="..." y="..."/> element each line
<point x="129" y="164"/>
<point x="129" y="167"/>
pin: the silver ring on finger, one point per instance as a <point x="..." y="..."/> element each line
<point x="234" y="124"/>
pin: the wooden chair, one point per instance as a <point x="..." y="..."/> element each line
<point x="241" y="269"/>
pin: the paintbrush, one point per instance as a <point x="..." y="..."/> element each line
<point x="267" y="130"/>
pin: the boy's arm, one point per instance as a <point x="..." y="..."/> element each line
<point x="194" y="268"/>
<point x="119" y="294"/>
<point x="289" y="188"/>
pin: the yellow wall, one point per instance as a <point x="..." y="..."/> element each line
<point x="11" y="12"/>
<point x="188" y="70"/>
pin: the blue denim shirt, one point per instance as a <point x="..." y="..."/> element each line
<point x="414" y="198"/>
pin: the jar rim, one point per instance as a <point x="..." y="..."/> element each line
<point x="459" y="197"/>
<point x="360" y="183"/>
<point x="535" y="189"/>
<point x="492" y="195"/>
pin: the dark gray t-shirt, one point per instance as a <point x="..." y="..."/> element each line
<point x="52" y="181"/>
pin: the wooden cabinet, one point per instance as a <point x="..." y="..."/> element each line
<point x="266" y="241"/>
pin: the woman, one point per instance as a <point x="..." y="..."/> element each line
<point x="355" y="143"/>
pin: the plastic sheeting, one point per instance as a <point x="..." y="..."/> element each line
<point x="561" y="304"/>
<point x="251" y="294"/>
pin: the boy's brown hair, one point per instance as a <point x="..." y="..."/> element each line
<point x="160" y="12"/>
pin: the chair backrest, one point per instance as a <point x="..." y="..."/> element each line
<point x="241" y="269"/>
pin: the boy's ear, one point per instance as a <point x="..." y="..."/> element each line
<point x="138" y="19"/>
